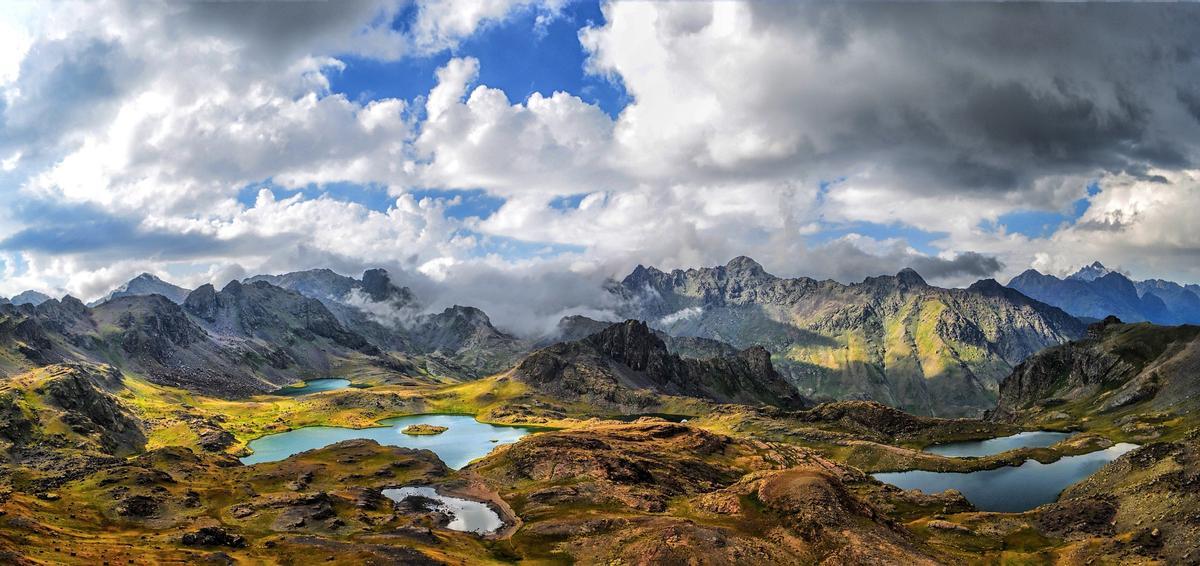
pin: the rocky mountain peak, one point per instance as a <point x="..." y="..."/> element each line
<point x="145" y="284"/>
<point x="910" y="277"/>
<point x="1091" y="272"/>
<point x="30" y="297"/>
<point x="470" y="314"/>
<point x="745" y="265"/>
<point x="377" y="284"/>
<point x="202" y="302"/>
<point x="630" y="343"/>
<point x="73" y="304"/>
<point x="234" y="287"/>
<point x="987" y="287"/>
<point x="640" y="275"/>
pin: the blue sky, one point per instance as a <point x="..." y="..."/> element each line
<point x="147" y="131"/>
<point x="517" y="56"/>
<point x="1043" y="223"/>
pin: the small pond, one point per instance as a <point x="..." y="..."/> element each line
<point x="1011" y="489"/>
<point x="313" y="386"/>
<point x="464" y="440"/>
<point x="1034" y="439"/>
<point x="466" y="515"/>
<point x="664" y="416"/>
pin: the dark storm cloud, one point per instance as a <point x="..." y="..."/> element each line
<point x="995" y="97"/>
<point x="844" y="261"/>
<point x="965" y="264"/>
<point x="274" y="32"/>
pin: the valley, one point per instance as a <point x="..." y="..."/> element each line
<point x="259" y="425"/>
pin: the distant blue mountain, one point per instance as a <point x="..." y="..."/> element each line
<point x="30" y="298"/>
<point x="1096" y="291"/>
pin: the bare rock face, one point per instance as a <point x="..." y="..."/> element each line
<point x="90" y="410"/>
<point x="154" y="327"/>
<point x="377" y="284"/>
<point x="1082" y="517"/>
<point x="202" y="302"/>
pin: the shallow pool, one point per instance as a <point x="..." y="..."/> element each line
<point x="464" y="440"/>
<point x="313" y="386"/>
<point x="466" y="515"/>
<point x="1010" y="489"/>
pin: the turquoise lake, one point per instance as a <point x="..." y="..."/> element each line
<point x="1011" y="489"/>
<point x="465" y="439"/>
<point x="313" y="386"/>
<point x="1034" y="439"/>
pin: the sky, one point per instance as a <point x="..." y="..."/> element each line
<point x="516" y="154"/>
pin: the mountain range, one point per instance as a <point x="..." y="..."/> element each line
<point x="893" y="339"/>
<point x="1095" y="292"/>
<point x="755" y="470"/>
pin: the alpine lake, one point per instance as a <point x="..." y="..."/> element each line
<point x="1011" y="489"/>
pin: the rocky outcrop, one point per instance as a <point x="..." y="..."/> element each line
<point x="213" y="536"/>
<point x="627" y="365"/>
<point x="82" y="393"/>
<point x="77" y="396"/>
<point x="202" y="302"/>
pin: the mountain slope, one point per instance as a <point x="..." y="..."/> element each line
<point x="373" y="306"/>
<point x="459" y="340"/>
<point x="1117" y="368"/>
<point x="895" y="339"/>
<point x="626" y="365"/>
<point x="243" y="340"/>
<point x="145" y="284"/>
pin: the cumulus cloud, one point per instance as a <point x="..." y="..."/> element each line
<point x="751" y="128"/>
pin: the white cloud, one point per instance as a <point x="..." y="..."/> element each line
<point x="938" y="120"/>
<point x="681" y="315"/>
